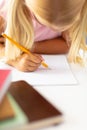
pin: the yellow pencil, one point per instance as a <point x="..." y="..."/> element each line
<point x="22" y="48"/>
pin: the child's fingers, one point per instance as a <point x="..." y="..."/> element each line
<point x="39" y="56"/>
<point x="31" y="68"/>
<point x="28" y="67"/>
<point x="33" y="58"/>
<point x="33" y="64"/>
<point x="36" y="58"/>
<point x="25" y="63"/>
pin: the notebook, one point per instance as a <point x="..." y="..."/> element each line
<point x="5" y="80"/>
<point x="39" y="111"/>
<point x="58" y="73"/>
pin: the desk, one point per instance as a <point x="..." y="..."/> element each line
<point x="72" y="100"/>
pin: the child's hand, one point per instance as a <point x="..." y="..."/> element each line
<point x="2" y="28"/>
<point x="28" y="63"/>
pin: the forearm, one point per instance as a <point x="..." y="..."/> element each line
<point x="53" y="46"/>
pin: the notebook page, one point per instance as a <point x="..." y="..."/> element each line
<point x="58" y="73"/>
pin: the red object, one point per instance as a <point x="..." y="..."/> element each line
<point x="5" y="80"/>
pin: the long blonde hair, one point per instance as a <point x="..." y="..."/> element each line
<point x="78" y="33"/>
<point x="19" y="27"/>
<point x="59" y="14"/>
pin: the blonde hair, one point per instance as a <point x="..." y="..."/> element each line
<point x="78" y="34"/>
<point x="19" y="27"/>
<point x="57" y="14"/>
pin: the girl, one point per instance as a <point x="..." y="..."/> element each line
<point x="45" y="27"/>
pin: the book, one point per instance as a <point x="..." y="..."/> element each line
<point x="19" y="118"/>
<point x="6" y="109"/>
<point x="38" y="110"/>
<point x="5" y="80"/>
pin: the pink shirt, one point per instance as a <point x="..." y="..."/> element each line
<point x="41" y="31"/>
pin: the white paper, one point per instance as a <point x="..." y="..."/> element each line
<point x="58" y="73"/>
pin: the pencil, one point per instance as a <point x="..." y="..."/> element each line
<point x="22" y="48"/>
